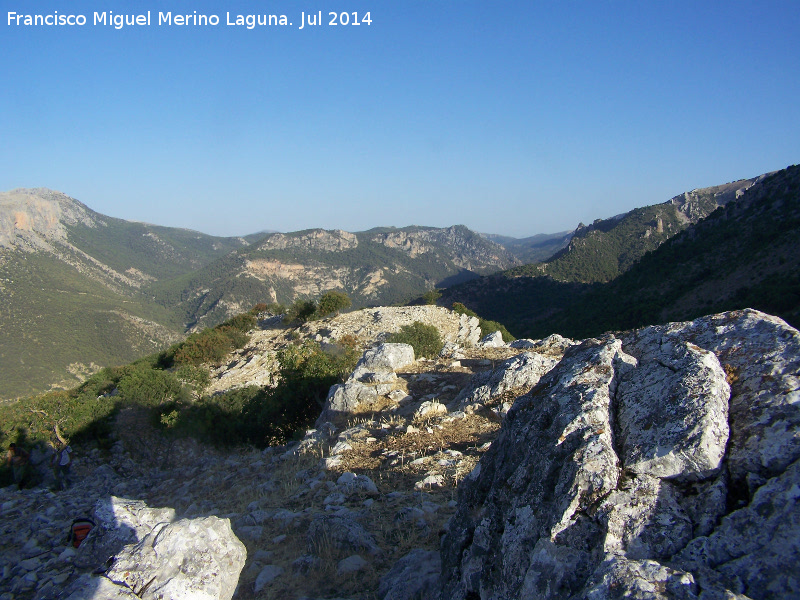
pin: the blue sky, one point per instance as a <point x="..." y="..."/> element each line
<point x="511" y="117"/>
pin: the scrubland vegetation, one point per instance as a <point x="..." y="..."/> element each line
<point x="171" y="386"/>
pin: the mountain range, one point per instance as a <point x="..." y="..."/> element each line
<point x="719" y="248"/>
<point x="82" y="290"/>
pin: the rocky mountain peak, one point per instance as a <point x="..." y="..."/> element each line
<point x="324" y="240"/>
<point x="33" y="218"/>
<point x="701" y="202"/>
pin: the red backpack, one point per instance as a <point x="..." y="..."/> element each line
<point x="79" y="530"/>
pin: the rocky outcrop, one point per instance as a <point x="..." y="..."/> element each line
<point x="143" y="554"/>
<point x="378" y="323"/>
<point x="660" y="464"/>
<point x="384" y="358"/>
<point x="413" y="576"/>
<point x="492" y="340"/>
<point x="372" y="378"/>
<point x="467" y="249"/>
<point x="34" y="218"/>
<point x="518" y="373"/>
<point x="335" y="240"/>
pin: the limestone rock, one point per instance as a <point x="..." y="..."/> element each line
<point x="469" y="331"/>
<point x="377" y="365"/>
<point x="429" y="409"/>
<point x="343" y="533"/>
<point x="519" y="372"/>
<point x="663" y="464"/>
<point x="451" y="350"/>
<point x="266" y="576"/>
<point x="350" y="483"/>
<point x="522" y="344"/>
<point x="385" y="357"/>
<point x="413" y="577"/>
<point x="87" y="587"/>
<point x="673" y="413"/>
<point x="492" y="340"/>
<point x="553" y="345"/>
<point x="756" y="547"/>
<point x="622" y="578"/>
<point x="118" y="522"/>
<point x="343" y="399"/>
<point x="351" y="564"/>
<point x="187" y="559"/>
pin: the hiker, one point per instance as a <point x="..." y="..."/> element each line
<point x="61" y="461"/>
<point x="17" y="458"/>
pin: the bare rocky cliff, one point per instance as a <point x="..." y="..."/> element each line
<point x="35" y="218"/>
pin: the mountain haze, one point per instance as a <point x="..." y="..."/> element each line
<point x="536" y="248"/>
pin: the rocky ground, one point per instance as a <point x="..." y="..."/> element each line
<point x="658" y="463"/>
<point x="326" y="517"/>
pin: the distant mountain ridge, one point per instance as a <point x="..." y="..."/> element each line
<point x="378" y="266"/>
<point x="82" y="289"/>
<point x="533" y="249"/>
<point x="72" y="286"/>
<point x="615" y="274"/>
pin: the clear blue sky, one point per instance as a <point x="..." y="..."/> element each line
<point x="510" y="117"/>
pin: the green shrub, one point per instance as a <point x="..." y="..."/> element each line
<point x="276" y="308"/>
<point x="332" y="302"/>
<point x="306" y="374"/>
<point x="214" y="419"/>
<point x="207" y="346"/>
<point x="301" y="311"/>
<point x="196" y="378"/>
<point x="241" y="323"/>
<point x="210" y="345"/>
<point x="463" y="310"/>
<point x="426" y="339"/>
<point x="264" y="416"/>
<point x="151" y="387"/>
<point x="431" y="296"/>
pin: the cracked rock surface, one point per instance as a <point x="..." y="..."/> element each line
<point x="659" y="464"/>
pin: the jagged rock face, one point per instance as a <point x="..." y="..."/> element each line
<point x="699" y="203"/>
<point x="469" y="250"/>
<point x="316" y="239"/>
<point x="33" y="218"/>
<point x="661" y="464"/>
<point x="521" y="373"/>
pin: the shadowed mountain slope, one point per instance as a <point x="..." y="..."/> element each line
<point x="744" y="254"/>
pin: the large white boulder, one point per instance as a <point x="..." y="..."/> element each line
<point x="190" y="559"/>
